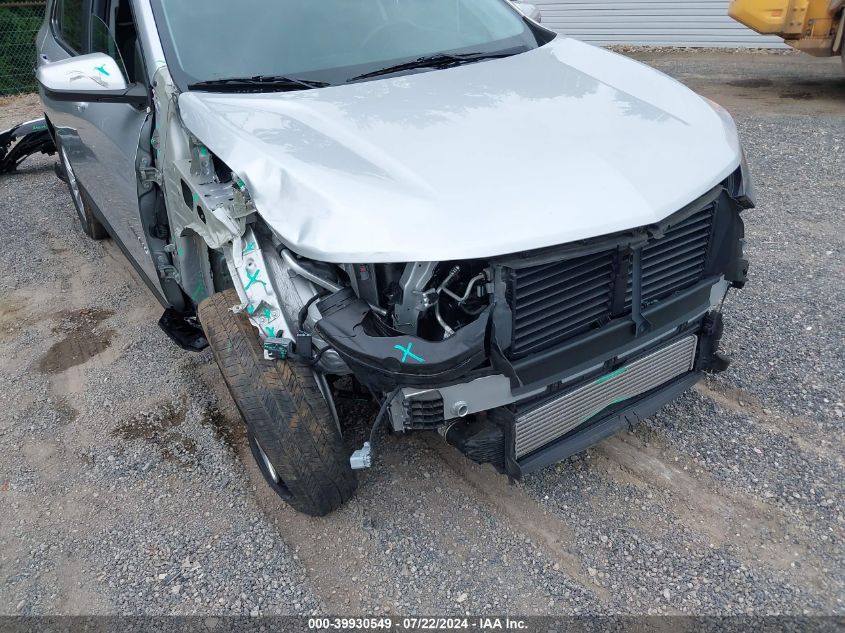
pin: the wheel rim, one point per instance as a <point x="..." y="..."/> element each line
<point x="72" y="184"/>
<point x="268" y="465"/>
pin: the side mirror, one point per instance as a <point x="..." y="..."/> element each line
<point x="93" y="78"/>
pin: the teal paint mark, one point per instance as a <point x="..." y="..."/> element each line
<point x="199" y="290"/>
<point x="407" y="353"/>
<point x="103" y="70"/>
<point x="181" y="252"/>
<point x="253" y="279"/>
<point x="203" y="151"/>
<point x="196" y="198"/>
<point x="610" y="377"/>
<point x="268" y="313"/>
<point x="271" y="331"/>
<point x="251" y="309"/>
<point x="39" y="128"/>
<point x="250" y="248"/>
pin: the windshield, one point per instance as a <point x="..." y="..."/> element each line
<point x="328" y="40"/>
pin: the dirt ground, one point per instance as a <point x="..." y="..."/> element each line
<point x="127" y="487"/>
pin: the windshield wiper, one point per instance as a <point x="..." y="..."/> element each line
<point x="260" y="83"/>
<point x="440" y="60"/>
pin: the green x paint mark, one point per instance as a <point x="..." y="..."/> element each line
<point x="253" y="279"/>
<point x="251" y="309"/>
<point x="103" y="70"/>
<point x="251" y="247"/>
<point x="268" y="313"/>
<point x="610" y="377"/>
<point x="407" y="353"/>
<point x="271" y="331"/>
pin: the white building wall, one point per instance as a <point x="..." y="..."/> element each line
<point x="651" y="22"/>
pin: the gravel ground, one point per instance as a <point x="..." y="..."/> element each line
<point x="126" y="486"/>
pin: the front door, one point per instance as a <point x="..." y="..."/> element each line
<point x="102" y="139"/>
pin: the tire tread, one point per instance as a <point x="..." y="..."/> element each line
<point x="283" y="408"/>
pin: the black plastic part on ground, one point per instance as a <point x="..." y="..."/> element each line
<point x="183" y="329"/>
<point x="480" y="440"/>
<point x="22" y="141"/>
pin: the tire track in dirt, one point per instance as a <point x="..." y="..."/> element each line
<point x="759" y="532"/>
<point x="795" y="428"/>
<point x="468" y="520"/>
<point x="525" y="515"/>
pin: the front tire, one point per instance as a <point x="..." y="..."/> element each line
<point x="292" y="434"/>
<point x="90" y="225"/>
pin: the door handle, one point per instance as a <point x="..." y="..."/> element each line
<point x="82" y="107"/>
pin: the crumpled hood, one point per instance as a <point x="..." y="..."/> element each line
<point x="562" y="143"/>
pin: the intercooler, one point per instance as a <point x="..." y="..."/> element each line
<point x="553" y="419"/>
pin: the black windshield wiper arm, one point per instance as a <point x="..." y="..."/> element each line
<point x="441" y="60"/>
<point x="259" y="83"/>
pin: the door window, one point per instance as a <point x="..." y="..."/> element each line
<point x="114" y="33"/>
<point x="69" y="23"/>
<point x="102" y="41"/>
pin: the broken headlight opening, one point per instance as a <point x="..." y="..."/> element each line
<point x="428" y="326"/>
<point x="453" y="297"/>
<point x="419" y="324"/>
<point x="426" y="299"/>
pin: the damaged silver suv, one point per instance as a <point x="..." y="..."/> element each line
<point x="501" y="233"/>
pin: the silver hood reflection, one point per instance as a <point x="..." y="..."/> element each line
<point x="562" y="143"/>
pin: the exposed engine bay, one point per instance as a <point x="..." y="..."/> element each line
<point x="428" y="319"/>
<point x="429" y="300"/>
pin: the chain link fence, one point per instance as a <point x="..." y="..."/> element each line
<point x="19" y="23"/>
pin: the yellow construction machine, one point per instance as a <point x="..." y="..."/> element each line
<point x="816" y="27"/>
